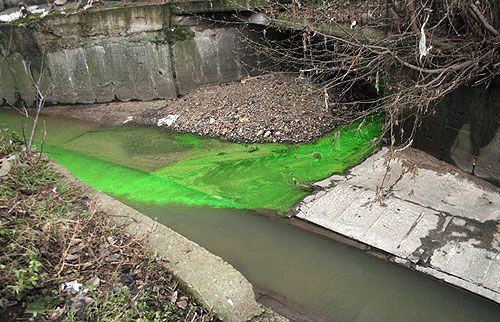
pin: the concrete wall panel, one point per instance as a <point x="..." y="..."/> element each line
<point x="101" y="78"/>
<point x="135" y="53"/>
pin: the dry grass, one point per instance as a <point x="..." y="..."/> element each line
<point x="51" y="235"/>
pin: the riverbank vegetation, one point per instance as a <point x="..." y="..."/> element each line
<point x="62" y="260"/>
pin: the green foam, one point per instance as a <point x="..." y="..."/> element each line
<point x="213" y="173"/>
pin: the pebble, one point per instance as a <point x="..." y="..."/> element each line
<point x="72" y="257"/>
<point x="4" y="167"/>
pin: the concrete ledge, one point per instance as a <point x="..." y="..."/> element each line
<point x="432" y="218"/>
<point x="215" y="283"/>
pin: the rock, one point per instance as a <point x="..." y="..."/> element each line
<point x="172" y="297"/>
<point x="72" y="257"/>
<point x="26" y="191"/>
<point x="113" y="257"/>
<point x="128" y="279"/>
<point x="183" y="302"/>
<point x="211" y="121"/>
<point x="4" y="167"/>
<point x="76" y="248"/>
<point x="11" y="3"/>
<point x="268" y="133"/>
<point x="260" y="133"/>
<point x="60" y="2"/>
<point x="93" y="283"/>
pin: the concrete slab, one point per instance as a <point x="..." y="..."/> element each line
<point x="425" y="213"/>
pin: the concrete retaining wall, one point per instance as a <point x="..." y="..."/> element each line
<point x="464" y="130"/>
<point x="136" y="53"/>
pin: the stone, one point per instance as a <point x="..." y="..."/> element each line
<point x="94" y="283"/>
<point x="72" y="257"/>
<point x="60" y="2"/>
<point x="5" y="167"/>
<point x="268" y="133"/>
<point x="12" y="3"/>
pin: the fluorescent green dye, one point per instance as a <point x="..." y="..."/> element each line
<point x="147" y="165"/>
<point x="132" y="184"/>
<point x="273" y="176"/>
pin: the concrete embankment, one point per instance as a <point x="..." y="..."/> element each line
<point x="423" y="213"/>
<point x="138" y="52"/>
<point x="213" y="282"/>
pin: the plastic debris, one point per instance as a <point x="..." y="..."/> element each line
<point x="73" y="286"/>
<point x="168" y="120"/>
<point x="129" y="118"/>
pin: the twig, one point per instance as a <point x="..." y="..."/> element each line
<point x="449" y="68"/>
<point x="483" y="20"/>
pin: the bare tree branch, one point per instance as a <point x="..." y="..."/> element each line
<point x="483" y="20"/>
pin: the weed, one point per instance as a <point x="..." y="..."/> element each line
<point x="26" y="278"/>
<point x="10" y="142"/>
<point x="49" y="233"/>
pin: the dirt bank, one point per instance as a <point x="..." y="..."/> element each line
<point x="269" y="108"/>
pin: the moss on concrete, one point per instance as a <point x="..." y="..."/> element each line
<point x="175" y="34"/>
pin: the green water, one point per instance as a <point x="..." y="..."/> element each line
<point x="160" y="174"/>
<point x="154" y="166"/>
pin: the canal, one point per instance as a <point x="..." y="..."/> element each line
<point x="315" y="272"/>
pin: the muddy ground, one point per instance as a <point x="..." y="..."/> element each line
<point x="269" y="108"/>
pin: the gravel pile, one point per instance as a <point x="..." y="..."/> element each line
<point x="271" y="108"/>
<point x="268" y="108"/>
